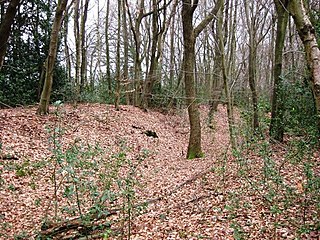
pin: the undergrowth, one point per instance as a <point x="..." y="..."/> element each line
<point x="88" y="185"/>
<point x="281" y="180"/>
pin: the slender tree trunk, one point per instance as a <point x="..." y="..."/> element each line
<point x="50" y="61"/>
<point x="5" y="27"/>
<point x="252" y="65"/>
<point x="277" y="125"/>
<point x="125" y="51"/>
<point x="66" y="46"/>
<point x="78" y="47"/>
<point x="118" y="75"/>
<point x="172" y="53"/>
<point x="135" y="29"/>
<point x="225" y="80"/>
<point x="83" y="47"/>
<point x="308" y="36"/>
<point x="150" y="79"/>
<point x="109" y="83"/>
<point x="252" y="83"/>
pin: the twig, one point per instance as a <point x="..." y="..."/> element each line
<point x="6" y="105"/>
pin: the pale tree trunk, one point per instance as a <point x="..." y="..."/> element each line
<point x="308" y="36"/>
<point x="76" y="30"/>
<point x="135" y="29"/>
<point x="151" y="76"/>
<point x="230" y="40"/>
<point x="277" y="112"/>
<point x="126" y="51"/>
<point x="172" y="53"/>
<point x="256" y="18"/>
<point x="108" y="73"/>
<point x="117" y="94"/>
<point x="252" y="65"/>
<point x="49" y="64"/>
<point x="66" y="45"/>
<point x="225" y="79"/>
<point x="98" y="49"/>
<point x="5" y="27"/>
<point x="189" y="38"/>
<point x="158" y="33"/>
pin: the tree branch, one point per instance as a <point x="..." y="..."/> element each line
<point x="208" y="19"/>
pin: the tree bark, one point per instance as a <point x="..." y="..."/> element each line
<point x="108" y="73"/>
<point x="135" y="29"/>
<point x="118" y="75"/>
<point x="83" y="47"/>
<point x="277" y="125"/>
<point x="189" y="38"/>
<point x="308" y="36"/>
<point x="225" y="79"/>
<point x="5" y="27"/>
<point x="49" y="64"/>
<point x="125" y="51"/>
<point x="76" y="30"/>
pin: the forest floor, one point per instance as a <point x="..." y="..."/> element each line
<point x="57" y="167"/>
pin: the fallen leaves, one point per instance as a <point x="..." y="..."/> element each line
<point x="216" y="197"/>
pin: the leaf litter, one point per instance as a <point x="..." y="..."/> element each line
<point x="220" y="196"/>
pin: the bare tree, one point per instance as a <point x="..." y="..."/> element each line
<point x="83" y="47"/>
<point x="118" y="74"/>
<point x="221" y="44"/>
<point x="189" y="38"/>
<point x="277" y="126"/>
<point x="49" y="64"/>
<point x="256" y="19"/>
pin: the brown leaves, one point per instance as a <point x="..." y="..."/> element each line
<point x="215" y="197"/>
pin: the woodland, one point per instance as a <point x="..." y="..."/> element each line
<point x="159" y="119"/>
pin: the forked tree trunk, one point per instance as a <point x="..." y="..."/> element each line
<point x="49" y="64"/>
<point x="308" y="36"/>
<point x="135" y="29"/>
<point x="277" y="126"/>
<point x="189" y="38"/>
<point x="5" y="27"/>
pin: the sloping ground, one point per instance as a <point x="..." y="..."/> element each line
<point x="215" y="197"/>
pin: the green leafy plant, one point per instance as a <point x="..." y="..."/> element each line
<point x="92" y="185"/>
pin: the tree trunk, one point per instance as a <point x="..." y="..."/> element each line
<point x="49" y="64"/>
<point x="194" y="147"/>
<point x="66" y="46"/>
<point x="126" y="51"/>
<point x="225" y="80"/>
<point x="117" y="94"/>
<point x="5" y="28"/>
<point x="277" y="125"/>
<point x="77" y="38"/>
<point x="308" y="36"/>
<point x="108" y="73"/>
<point x="135" y="28"/>
<point x="189" y="39"/>
<point x="83" y="65"/>
<point x="252" y="30"/>
<point x="151" y="77"/>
